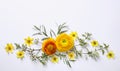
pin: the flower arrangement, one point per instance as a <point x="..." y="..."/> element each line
<point x="59" y="45"/>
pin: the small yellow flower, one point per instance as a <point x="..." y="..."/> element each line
<point x="20" y="54"/>
<point x="74" y="35"/>
<point x="110" y="55"/>
<point x="71" y="56"/>
<point x="54" y="59"/>
<point x="28" y="41"/>
<point x="9" y="48"/>
<point x="94" y="43"/>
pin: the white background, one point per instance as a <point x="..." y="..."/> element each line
<point x="100" y="17"/>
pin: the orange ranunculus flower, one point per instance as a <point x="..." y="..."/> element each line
<point x="64" y="42"/>
<point x="49" y="46"/>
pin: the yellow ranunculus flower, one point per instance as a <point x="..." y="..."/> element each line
<point x="28" y="41"/>
<point x="54" y="59"/>
<point x="71" y="56"/>
<point x="64" y="42"/>
<point x="9" y="48"/>
<point x="74" y="35"/>
<point x="94" y="43"/>
<point x="110" y="55"/>
<point x="20" y="54"/>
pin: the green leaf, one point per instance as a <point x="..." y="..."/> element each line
<point x="37" y="28"/>
<point x="89" y="52"/>
<point x="80" y="53"/>
<point x="63" y="31"/>
<point x="17" y="46"/>
<point x="44" y="38"/>
<point x="44" y="29"/>
<point x="43" y="62"/>
<point x="106" y="47"/>
<point x="72" y="60"/>
<point x="45" y="33"/>
<point x="24" y="48"/>
<point x="68" y="63"/>
<point x="52" y="32"/>
<point x="103" y="52"/>
<point x="37" y="34"/>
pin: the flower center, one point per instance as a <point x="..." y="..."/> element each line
<point x="50" y="47"/>
<point x="9" y="48"/>
<point x="73" y="35"/>
<point x="64" y="42"/>
<point x="54" y="59"/>
<point x="110" y="55"/>
<point x="71" y="55"/>
<point x="94" y="43"/>
<point x="20" y="54"/>
<point x="28" y="41"/>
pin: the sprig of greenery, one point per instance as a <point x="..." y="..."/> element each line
<point x="67" y="62"/>
<point x="94" y="55"/>
<point x="82" y="42"/>
<point x="87" y="36"/>
<point x="62" y="28"/>
<point x="41" y="30"/>
<point x="52" y="33"/>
